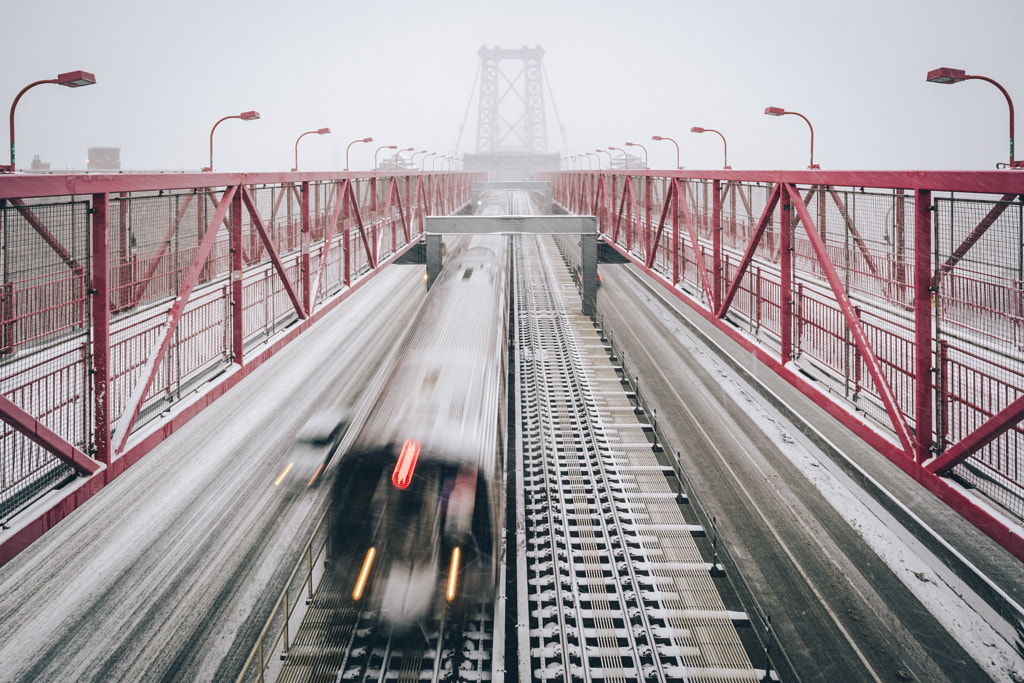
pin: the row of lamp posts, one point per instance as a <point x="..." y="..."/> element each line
<point x="944" y="75"/>
<point x="76" y="79"/>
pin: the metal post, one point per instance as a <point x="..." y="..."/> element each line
<point x="307" y="294"/>
<point x="786" y="284"/>
<point x="433" y="259"/>
<point x="588" y="258"/>
<point x="236" y="278"/>
<point x="716" y="243"/>
<point x="923" y="326"/>
<point x="677" y="188"/>
<point x="99" y="288"/>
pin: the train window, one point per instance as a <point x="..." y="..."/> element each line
<point x="467" y="273"/>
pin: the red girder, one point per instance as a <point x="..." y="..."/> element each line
<point x="39" y="433"/>
<point x="853" y="321"/>
<point x="748" y="256"/>
<point x="976" y="234"/>
<point x="913" y="358"/>
<point x="122" y="430"/>
<point x="268" y="244"/>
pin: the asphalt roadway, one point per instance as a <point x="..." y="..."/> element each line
<point x="854" y="595"/>
<point x="169" y="573"/>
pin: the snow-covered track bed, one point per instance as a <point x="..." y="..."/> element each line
<point x="610" y="583"/>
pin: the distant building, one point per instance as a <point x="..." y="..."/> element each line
<point x="104" y="159"/>
<point x="39" y="165"/>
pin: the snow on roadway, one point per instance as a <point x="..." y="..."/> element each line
<point x="942" y="594"/>
<point x="119" y="588"/>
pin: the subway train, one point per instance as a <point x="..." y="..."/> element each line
<point x="417" y="502"/>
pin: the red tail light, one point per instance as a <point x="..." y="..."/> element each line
<point x="402" y="475"/>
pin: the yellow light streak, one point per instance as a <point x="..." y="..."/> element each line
<point x="281" y="476"/>
<point x="316" y="474"/>
<point x="453" y="574"/>
<point x="364" y="574"/>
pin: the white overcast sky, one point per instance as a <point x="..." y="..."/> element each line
<point x="402" y="71"/>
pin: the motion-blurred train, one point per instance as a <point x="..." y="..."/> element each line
<point x="418" y="502"/>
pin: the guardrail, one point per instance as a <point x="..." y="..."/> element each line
<point x="122" y="294"/>
<point x="286" y="609"/>
<point x="894" y="300"/>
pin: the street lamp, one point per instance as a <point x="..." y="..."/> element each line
<point x="376" y="165"/>
<point x="610" y="159"/>
<point x="637" y="144"/>
<point x="947" y="75"/>
<point x="625" y="157"/>
<point x="423" y="161"/>
<point x="245" y="116"/>
<point x="659" y="137"/>
<point x="590" y="164"/>
<point x="350" y="147"/>
<point x="779" y="111"/>
<point x="72" y="79"/>
<point x="318" y="131"/>
<point x="698" y="129"/>
<point x="597" y="156"/>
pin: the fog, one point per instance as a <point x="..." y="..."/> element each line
<point x="402" y="72"/>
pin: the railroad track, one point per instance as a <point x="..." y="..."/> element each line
<point x="610" y="584"/>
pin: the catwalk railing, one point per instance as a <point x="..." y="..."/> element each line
<point x="124" y="294"/>
<point x="895" y="300"/>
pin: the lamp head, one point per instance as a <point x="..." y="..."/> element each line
<point x="657" y="137"/>
<point x="323" y="131"/>
<point x="249" y="115"/>
<point x="696" y="129"/>
<point x="774" y="111"/>
<point x="76" y="79"/>
<point x="367" y="139"/>
<point x="946" y="75"/>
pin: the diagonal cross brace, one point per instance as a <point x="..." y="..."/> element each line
<point x="48" y="439"/>
<point x="860" y="337"/>
<point x="131" y="412"/>
<point x="748" y="256"/>
<point x="261" y="229"/>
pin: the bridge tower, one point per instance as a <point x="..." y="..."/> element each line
<point x="511" y="137"/>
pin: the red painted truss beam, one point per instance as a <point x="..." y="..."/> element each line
<point x="748" y="256"/>
<point x="39" y="433"/>
<point x="48" y="237"/>
<point x="349" y="195"/>
<point x="131" y="412"/>
<point x="261" y="229"/>
<point x="860" y="337"/>
<point x="989" y="431"/>
<point x="698" y="255"/>
<point x="994" y="213"/>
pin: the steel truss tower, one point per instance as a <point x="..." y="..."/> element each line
<point x="511" y="116"/>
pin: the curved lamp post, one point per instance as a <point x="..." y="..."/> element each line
<point x="245" y="116"/>
<point x="698" y="129"/>
<point x="318" y="131"/>
<point x="376" y="164"/>
<point x="779" y="111"/>
<point x="591" y="154"/>
<point x="350" y="147"/>
<point x="625" y="157"/>
<point x="610" y="158"/>
<point x="947" y="75"/>
<point x="423" y="161"/>
<point x="637" y="144"/>
<point x="659" y="137"/>
<point x="72" y="79"/>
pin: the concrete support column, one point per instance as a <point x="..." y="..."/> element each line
<point x="433" y="258"/>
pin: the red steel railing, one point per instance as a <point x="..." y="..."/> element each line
<point x="124" y="293"/>
<point x="900" y="293"/>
